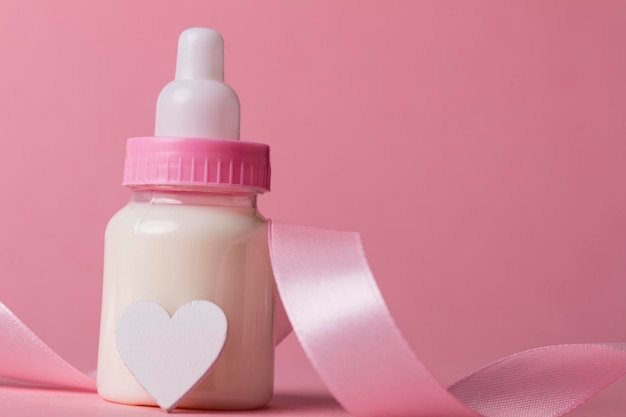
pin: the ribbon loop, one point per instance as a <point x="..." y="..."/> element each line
<point x="344" y="327"/>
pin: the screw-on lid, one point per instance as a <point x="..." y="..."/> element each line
<point x="197" y="162"/>
<point x="197" y="127"/>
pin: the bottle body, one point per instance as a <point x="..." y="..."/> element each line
<point x="173" y="247"/>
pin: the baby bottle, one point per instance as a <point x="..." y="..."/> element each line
<point x="192" y="231"/>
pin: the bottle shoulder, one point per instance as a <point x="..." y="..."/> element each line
<point x="147" y="218"/>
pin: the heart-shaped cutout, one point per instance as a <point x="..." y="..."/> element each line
<point x="169" y="356"/>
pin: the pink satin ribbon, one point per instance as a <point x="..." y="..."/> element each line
<point x="340" y="318"/>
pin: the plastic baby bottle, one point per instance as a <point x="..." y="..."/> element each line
<point x="191" y="231"/>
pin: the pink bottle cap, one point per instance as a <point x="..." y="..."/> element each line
<point x="197" y="162"/>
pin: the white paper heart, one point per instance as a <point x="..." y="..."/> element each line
<point x="169" y="356"/>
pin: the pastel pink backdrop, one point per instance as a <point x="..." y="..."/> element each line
<point x="478" y="147"/>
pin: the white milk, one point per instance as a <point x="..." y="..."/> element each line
<point x="175" y="247"/>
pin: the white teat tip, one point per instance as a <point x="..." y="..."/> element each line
<point x="198" y="104"/>
<point x="200" y="55"/>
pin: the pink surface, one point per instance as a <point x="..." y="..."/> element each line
<point x="298" y="393"/>
<point x="478" y="148"/>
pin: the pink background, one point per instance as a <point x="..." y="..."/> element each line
<point x="478" y="147"/>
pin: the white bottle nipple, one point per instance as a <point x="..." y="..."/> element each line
<point x="198" y="104"/>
